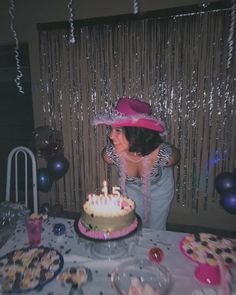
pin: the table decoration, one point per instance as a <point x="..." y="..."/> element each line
<point x="7" y="223"/>
<point x="17" y="209"/>
<point x="155" y="255"/>
<point x="59" y="229"/>
<point x="26" y="269"/>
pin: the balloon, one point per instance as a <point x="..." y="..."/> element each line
<point x="47" y="142"/>
<point x="224" y="181"/>
<point x="228" y="200"/>
<point x="44" y="180"/>
<point x="57" y="166"/>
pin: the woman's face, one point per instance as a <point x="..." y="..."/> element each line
<point x="119" y="140"/>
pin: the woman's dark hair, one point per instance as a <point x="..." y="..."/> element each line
<point x="142" y="140"/>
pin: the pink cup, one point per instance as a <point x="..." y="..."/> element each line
<point x="208" y="274"/>
<point x="34" y="230"/>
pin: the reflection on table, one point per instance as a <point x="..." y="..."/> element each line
<point x="78" y="251"/>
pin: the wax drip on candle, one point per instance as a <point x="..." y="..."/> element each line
<point x="104" y="189"/>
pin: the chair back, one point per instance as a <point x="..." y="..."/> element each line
<point x="27" y="153"/>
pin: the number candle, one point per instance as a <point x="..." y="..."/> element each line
<point x="116" y="191"/>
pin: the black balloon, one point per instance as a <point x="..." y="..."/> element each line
<point x="47" y="142"/>
<point x="57" y="166"/>
<point x="228" y="200"/>
<point x="224" y="181"/>
<point x="44" y="180"/>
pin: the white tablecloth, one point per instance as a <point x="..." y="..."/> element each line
<point x="81" y="252"/>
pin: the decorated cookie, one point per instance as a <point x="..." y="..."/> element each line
<point x="74" y="276"/>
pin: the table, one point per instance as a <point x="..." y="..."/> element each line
<point x="78" y="252"/>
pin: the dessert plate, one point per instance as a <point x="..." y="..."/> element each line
<point x="204" y="247"/>
<point x="211" y="252"/>
<point x="25" y="269"/>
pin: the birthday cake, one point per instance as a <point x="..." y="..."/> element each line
<point x="108" y="215"/>
<point x="208" y="248"/>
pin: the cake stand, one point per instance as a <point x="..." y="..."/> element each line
<point x="109" y="247"/>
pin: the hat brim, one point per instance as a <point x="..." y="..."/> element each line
<point x="148" y="123"/>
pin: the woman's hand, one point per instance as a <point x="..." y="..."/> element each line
<point x="105" y="156"/>
<point x="174" y="157"/>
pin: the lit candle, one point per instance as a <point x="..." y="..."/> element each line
<point x="104" y="189"/>
<point x="116" y="191"/>
<point x="90" y="198"/>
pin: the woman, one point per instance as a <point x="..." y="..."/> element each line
<point x="144" y="161"/>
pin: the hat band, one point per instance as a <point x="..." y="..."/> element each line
<point x="118" y="119"/>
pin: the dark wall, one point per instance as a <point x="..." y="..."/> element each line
<point x="16" y="112"/>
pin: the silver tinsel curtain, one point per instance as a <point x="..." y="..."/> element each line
<point x="184" y="66"/>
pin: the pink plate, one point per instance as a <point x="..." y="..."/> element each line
<point x="208" y="271"/>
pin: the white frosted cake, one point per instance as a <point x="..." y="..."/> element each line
<point x="107" y="216"/>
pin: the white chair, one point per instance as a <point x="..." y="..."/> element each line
<point x="27" y="153"/>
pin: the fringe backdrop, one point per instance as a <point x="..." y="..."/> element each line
<point x="184" y="66"/>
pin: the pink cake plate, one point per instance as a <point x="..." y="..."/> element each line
<point x="204" y="272"/>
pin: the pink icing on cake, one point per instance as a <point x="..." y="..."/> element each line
<point x="107" y="236"/>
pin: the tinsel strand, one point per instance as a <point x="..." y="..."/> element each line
<point x="18" y="68"/>
<point x="136" y="8"/>
<point x="185" y="81"/>
<point x="71" y="21"/>
<point x="231" y="34"/>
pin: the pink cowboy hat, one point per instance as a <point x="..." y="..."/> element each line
<point x="131" y="112"/>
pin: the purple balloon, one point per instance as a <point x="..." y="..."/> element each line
<point x="224" y="181"/>
<point x="228" y="200"/>
<point x="44" y="180"/>
<point x="57" y="166"/>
